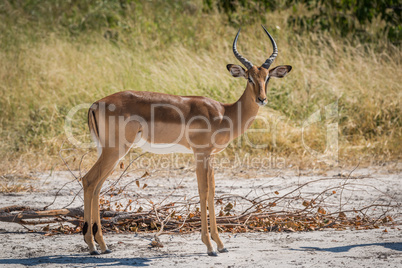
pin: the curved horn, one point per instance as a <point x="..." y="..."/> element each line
<point x="269" y="61"/>
<point x="238" y="56"/>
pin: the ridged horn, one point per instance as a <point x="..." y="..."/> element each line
<point x="269" y="61"/>
<point x="242" y="59"/>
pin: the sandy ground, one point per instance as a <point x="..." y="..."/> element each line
<point x="372" y="248"/>
<point x="328" y="248"/>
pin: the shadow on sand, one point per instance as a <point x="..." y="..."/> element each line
<point x="88" y="260"/>
<point x="393" y="246"/>
<point x="71" y="260"/>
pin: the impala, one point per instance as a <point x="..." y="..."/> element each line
<point x="163" y="123"/>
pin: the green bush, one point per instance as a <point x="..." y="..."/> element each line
<point x="340" y="17"/>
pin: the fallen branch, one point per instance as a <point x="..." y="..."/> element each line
<point x="29" y="213"/>
<point x="294" y="210"/>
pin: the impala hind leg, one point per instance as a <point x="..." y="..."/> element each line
<point x="92" y="183"/>
<point x="97" y="225"/>
<point x="114" y="141"/>
<point x="86" y="230"/>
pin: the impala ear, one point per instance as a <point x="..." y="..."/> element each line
<point x="280" y="71"/>
<point x="236" y="70"/>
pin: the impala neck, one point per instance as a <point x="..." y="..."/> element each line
<point x="243" y="111"/>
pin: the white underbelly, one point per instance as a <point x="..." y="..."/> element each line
<point x="160" y="148"/>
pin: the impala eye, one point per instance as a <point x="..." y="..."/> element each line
<point x="250" y="80"/>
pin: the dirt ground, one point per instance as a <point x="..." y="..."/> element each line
<point x="326" y="248"/>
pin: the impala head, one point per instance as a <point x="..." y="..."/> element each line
<point x="258" y="77"/>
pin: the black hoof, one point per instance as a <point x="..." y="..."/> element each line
<point x="107" y="251"/>
<point x="95" y="252"/>
<point x="213" y="254"/>
<point x="224" y="250"/>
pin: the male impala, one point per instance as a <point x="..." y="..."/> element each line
<point x="163" y="123"/>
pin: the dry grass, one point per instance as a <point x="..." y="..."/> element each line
<point x="16" y="183"/>
<point x="45" y="72"/>
<point x="14" y="188"/>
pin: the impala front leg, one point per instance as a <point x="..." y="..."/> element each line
<point x="202" y="162"/>
<point x="211" y="208"/>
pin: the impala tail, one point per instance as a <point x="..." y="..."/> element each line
<point x="94" y="128"/>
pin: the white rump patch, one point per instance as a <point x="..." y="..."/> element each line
<point x="97" y="143"/>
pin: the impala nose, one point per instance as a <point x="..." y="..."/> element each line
<point x="261" y="102"/>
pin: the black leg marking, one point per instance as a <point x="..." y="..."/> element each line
<point x="85" y="228"/>
<point x="94" y="253"/>
<point x="212" y="254"/>
<point x="94" y="229"/>
<point x="107" y="251"/>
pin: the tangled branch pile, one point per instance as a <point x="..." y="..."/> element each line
<point x="295" y="210"/>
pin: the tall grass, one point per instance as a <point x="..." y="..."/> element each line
<point x="55" y="56"/>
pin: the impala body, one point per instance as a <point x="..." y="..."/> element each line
<point x="163" y="123"/>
